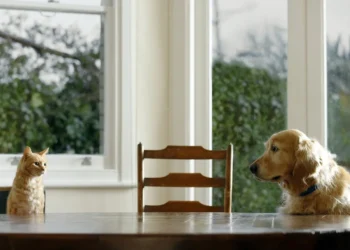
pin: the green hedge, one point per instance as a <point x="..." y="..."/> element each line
<point x="248" y="106"/>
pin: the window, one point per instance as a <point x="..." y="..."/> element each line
<point x="62" y="87"/>
<point x="73" y="2"/>
<point x="338" y="84"/>
<point x="259" y="56"/>
<point x="249" y="82"/>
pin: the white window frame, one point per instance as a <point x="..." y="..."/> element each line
<point x="307" y="78"/>
<point x="190" y="88"/>
<point x="115" y="168"/>
<point x="306" y="97"/>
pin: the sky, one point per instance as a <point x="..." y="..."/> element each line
<point x="257" y="16"/>
<point x="88" y="24"/>
<point x="238" y="18"/>
<point x="85" y="2"/>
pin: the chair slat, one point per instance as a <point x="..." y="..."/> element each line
<point x="184" y="180"/>
<point x="185" y="153"/>
<point x="183" y="206"/>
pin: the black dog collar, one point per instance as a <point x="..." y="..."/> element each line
<point x="308" y="191"/>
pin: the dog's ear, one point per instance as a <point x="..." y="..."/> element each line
<point x="309" y="156"/>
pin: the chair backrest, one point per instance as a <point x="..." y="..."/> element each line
<point x="186" y="179"/>
<point x="4" y="192"/>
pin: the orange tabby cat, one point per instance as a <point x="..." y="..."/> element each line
<point x="27" y="192"/>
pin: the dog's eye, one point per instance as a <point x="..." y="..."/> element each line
<point x="274" y="148"/>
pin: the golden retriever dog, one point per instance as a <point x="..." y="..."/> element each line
<point x="311" y="180"/>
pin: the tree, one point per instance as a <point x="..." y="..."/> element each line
<point x="39" y="111"/>
<point x="338" y="58"/>
<point x="248" y="106"/>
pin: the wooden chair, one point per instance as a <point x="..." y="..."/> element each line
<point x="186" y="179"/>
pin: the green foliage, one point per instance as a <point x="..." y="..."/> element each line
<point x="249" y="105"/>
<point x="339" y="101"/>
<point x="38" y="111"/>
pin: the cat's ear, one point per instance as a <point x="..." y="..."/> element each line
<point x="44" y="152"/>
<point x="27" y="150"/>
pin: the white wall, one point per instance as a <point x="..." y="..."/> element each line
<point x="152" y="77"/>
<point x="90" y="200"/>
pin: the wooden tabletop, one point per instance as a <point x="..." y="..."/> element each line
<point x="174" y="231"/>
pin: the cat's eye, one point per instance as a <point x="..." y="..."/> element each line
<point x="36" y="163"/>
<point x="274" y="148"/>
<point x="45" y="164"/>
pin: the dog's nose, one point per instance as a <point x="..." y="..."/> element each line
<point x="253" y="168"/>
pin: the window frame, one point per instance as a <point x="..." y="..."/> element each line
<point x="307" y="69"/>
<point x="306" y="84"/>
<point x="114" y="168"/>
<point x="190" y="81"/>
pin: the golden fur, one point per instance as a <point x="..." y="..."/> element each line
<point x="27" y="192"/>
<point x="297" y="162"/>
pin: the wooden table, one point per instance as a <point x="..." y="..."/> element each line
<point x="174" y="231"/>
